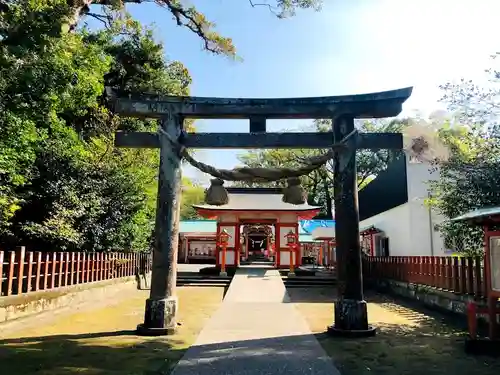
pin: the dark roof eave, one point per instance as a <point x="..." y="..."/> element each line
<point x="479" y="216"/>
<point x="370" y="229"/>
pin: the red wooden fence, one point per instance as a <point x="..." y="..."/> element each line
<point x="462" y="275"/>
<point x="24" y="272"/>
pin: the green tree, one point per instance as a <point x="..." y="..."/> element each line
<point x="65" y="185"/>
<point x="469" y="178"/>
<point x="191" y="194"/>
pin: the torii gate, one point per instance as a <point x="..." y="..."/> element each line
<point x="351" y="317"/>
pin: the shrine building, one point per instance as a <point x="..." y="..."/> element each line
<point x="258" y="223"/>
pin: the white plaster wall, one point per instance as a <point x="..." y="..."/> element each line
<point x="410" y="226"/>
<point x="395" y="225"/>
<point x="230" y="259"/>
<point x="424" y="239"/>
<point x="285" y="258"/>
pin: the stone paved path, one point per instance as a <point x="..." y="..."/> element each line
<point x="256" y="331"/>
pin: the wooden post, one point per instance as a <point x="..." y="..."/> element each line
<point x="470" y="275"/>
<point x="223" y="260"/>
<point x="46" y="271"/>
<point x="21" y="251"/>
<point x="320" y="255"/>
<point x="38" y="263"/>
<point x="101" y="266"/>
<point x="53" y="271"/>
<point x="78" y="262"/>
<point x="161" y="306"/>
<point x="72" y="271"/>
<point x="292" y="269"/>
<point x="351" y="315"/>
<point x="89" y="268"/>
<point x="2" y="253"/>
<point x="92" y="267"/>
<point x="84" y="268"/>
<point x="30" y="272"/>
<point x="60" y="270"/>
<point x="10" y="274"/>
<point x="66" y="268"/>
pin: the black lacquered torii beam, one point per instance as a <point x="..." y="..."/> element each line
<point x="350" y="309"/>
<point x="257" y="111"/>
<point x="372" y="141"/>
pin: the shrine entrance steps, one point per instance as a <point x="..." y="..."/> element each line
<point x="256" y="331"/>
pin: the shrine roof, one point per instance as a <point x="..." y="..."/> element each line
<point x="307" y="238"/>
<point x="323" y="233"/>
<point x="256" y="199"/>
<point x="480" y="216"/>
<point x="369" y="229"/>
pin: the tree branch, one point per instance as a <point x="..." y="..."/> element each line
<point x="105" y="19"/>
<point x="272" y="9"/>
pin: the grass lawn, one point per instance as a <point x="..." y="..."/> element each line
<point x="103" y="341"/>
<point x="408" y="342"/>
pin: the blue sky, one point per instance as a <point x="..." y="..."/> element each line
<point x="350" y="47"/>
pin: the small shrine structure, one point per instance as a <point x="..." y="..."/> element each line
<point x="489" y="219"/>
<point x="258" y="222"/>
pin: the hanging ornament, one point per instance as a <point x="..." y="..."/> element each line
<point x="216" y="194"/>
<point x="294" y="193"/>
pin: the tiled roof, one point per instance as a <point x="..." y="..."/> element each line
<point x="478" y="215"/>
<point x="370" y="228"/>
<point x="323" y="233"/>
<point x="257" y="202"/>
<point x="306" y="238"/>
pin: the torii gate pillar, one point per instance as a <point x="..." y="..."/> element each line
<point x="351" y="316"/>
<point x="162" y="304"/>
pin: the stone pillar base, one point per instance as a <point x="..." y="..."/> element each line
<point x="351" y="319"/>
<point x="291" y="274"/>
<point x="159" y="317"/>
<point x="223" y="274"/>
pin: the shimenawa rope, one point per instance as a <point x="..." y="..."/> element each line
<point x="259" y="174"/>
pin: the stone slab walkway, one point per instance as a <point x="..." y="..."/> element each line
<point x="256" y="331"/>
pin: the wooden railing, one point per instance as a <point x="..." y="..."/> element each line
<point x="24" y="272"/>
<point x="462" y="275"/>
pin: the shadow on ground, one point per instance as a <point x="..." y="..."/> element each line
<point x="99" y="341"/>
<point x="396" y="350"/>
<point x="71" y="354"/>
<point x="410" y="340"/>
<point x="67" y="354"/>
